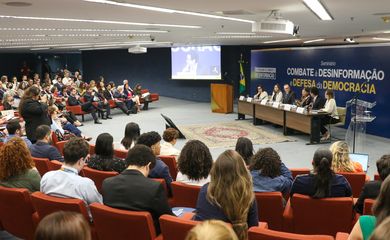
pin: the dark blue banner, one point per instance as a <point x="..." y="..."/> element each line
<point x="342" y="69"/>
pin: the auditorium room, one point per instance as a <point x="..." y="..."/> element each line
<point x="194" y="120"/>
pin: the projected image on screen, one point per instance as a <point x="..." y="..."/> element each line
<point x="196" y="62"/>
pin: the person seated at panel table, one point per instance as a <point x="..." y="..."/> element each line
<point x="331" y="108"/>
<point x="261" y="93"/>
<point x="322" y="182"/>
<point x="277" y="95"/>
<point x="317" y="101"/>
<point x="371" y="189"/>
<point x="288" y="95"/>
<point x="341" y="160"/>
<point x="305" y="99"/>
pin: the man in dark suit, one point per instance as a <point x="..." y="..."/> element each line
<point x="317" y="101"/>
<point x="109" y="95"/>
<point x="74" y="100"/>
<point x="288" y="95"/>
<point x="372" y="188"/>
<point x="92" y="96"/>
<point x="42" y="148"/>
<point x="132" y="190"/>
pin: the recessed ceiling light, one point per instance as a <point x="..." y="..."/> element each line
<point x="381" y="39"/>
<point x="349" y="40"/>
<point x="314" y="40"/>
<point x="37" y="49"/>
<point x="84" y="30"/>
<point x="235" y="33"/>
<point x="318" y="9"/>
<point x="18" y="4"/>
<point x="98" y="21"/>
<point x="285" y="40"/>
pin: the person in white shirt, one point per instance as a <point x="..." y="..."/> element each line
<point x="66" y="182"/>
<point x="66" y="79"/>
<point x="261" y="93"/>
<point x="194" y="164"/>
<point x="277" y="95"/>
<point x="333" y="117"/>
<point x="170" y="136"/>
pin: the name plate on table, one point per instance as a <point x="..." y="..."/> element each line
<point x="264" y="102"/>
<point x="242" y="98"/>
<point x="276" y="104"/>
<point x="249" y="99"/>
<point x="300" y="110"/>
<point x="287" y="107"/>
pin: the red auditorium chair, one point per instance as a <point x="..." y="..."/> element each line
<point x="163" y="183"/>
<point x="111" y="223"/>
<point x="376" y="177"/>
<point x="170" y="161"/>
<point x="298" y="171"/>
<point x="270" y="209"/>
<point x="120" y="153"/>
<point x="184" y="195"/>
<point x="357" y="181"/>
<point x="76" y="110"/>
<point x="97" y="176"/>
<point x="112" y="103"/>
<point x="174" y="228"/>
<point x="55" y="165"/>
<point x="91" y="149"/>
<point x="306" y="215"/>
<point x="54" y="138"/>
<point x="44" y="165"/>
<point x="258" y="233"/>
<point x="60" y="146"/>
<point x="153" y="96"/>
<point x="367" y="207"/>
<point x="16" y="212"/>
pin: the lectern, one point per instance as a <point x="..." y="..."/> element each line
<point x="221" y="98"/>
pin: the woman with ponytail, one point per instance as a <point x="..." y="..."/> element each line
<point x="229" y="195"/>
<point x="322" y="182"/>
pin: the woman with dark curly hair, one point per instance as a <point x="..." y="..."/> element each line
<point x="17" y="169"/>
<point x="194" y="163"/>
<point x="244" y="147"/>
<point x="269" y="173"/>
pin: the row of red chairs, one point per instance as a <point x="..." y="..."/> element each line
<point x="20" y="213"/>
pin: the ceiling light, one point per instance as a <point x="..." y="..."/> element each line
<point x="315" y="40"/>
<point x="349" y="40"/>
<point x="285" y="40"/>
<point x="233" y="37"/>
<point x="98" y="21"/>
<point x="381" y="39"/>
<point x="83" y="30"/>
<point x="235" y="33"/>
<point x="167" y="10"/>
<point x="318" y="9"/>
<point x="37" y="49"/>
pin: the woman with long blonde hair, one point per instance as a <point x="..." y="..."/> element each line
<point x="341" y="161"/>
<point x="229" y="195"/>
<point x="211" y="230"/>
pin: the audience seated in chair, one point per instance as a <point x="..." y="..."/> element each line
<point x="211" y="230"/>
<point x="87" y="106"/>
<point x="371" y="189"/>
<point x="132" y="132"/>
<point x="132" y="190"/>
<point x="104" y="159"/>
<point x="15" y="130"/>
<point x="194" y="163"/>
<point x="244" y="147"/>
<point x="160" y="170"/>
<point x="43" y="148"/>
<point x="67" y="182"/>
<point x="364" y="227"/>
<point x="341" y="161"/>
<point x="170" y="137"/>
<point x="219" y="199"/>
<point x="269" y="174"/>
<point x="63" y="225"/>
<point x="323" y="182"/>
<point x="17" y="169"/>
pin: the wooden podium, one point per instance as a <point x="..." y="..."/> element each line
<point x="221" y="98"/>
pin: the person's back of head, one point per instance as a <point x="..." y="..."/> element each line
<point x="322" y="162"/>
<point x="170" y="135"/>
<point x="341" y="161"/>
<point x="381" y="208"/>
<point x="230" y="176"/>
<point x="211" y="230"/>
<point x="132" y="132"/>
<point x="244" y="147"/>
<point x="75" y="149"/>
<point x="103" y="145"/>
<point x="195" y="160"/>
<point x="42" y="132"/>
<point x="13" y="126"/>
<point x="383" y="166"/>
<point x="141" y="156"/>
<point x="63" y="226"/>
<point x="267" y="161"/>
<point x="382" y="231"/>
<point x="152" y="140"/>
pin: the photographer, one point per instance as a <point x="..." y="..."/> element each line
<point x="33" y="109"/>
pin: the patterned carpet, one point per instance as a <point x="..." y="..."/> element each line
<point x="226" y="134"/>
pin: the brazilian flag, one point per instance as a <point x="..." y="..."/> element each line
<point x="242" y="87"/>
